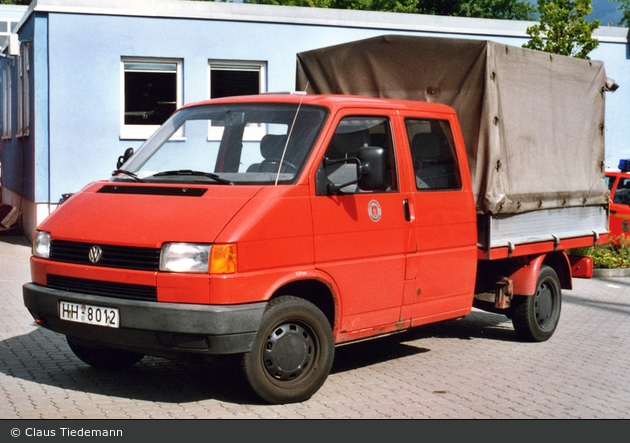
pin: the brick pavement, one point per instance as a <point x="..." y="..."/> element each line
<point x="467" y="368"/>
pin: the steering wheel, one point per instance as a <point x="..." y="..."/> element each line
<point x="271" y="165"/>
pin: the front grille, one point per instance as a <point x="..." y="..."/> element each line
<point x="104" y="288"/>
<point x="126" y="257"/>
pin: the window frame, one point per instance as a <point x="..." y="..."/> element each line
<point x="6" y="101"/>
<point x="142" y="132"/>
<point x="447" y="132"/>
<point x="388" y="124"/>
<point x="24" y="80"/>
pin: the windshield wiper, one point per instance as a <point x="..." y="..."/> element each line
<point x="190" y="172"/>
<point x="128" y="174"/>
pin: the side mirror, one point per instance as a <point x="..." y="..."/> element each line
<point x="372" y="168"/>
<point x="123" y="158"/>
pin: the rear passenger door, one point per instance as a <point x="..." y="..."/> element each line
<point x="361" y="238"/>
<point x="444" y="222"/>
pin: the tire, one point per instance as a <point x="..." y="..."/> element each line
<point x="536" y="317"/>
<point x="102" y="357"/>
<point x="292" y="353"/>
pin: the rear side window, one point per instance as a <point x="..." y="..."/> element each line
<point x="433" y="154"/>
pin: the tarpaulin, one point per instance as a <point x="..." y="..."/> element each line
<point x="532" y="122"/>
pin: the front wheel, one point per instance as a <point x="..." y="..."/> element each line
<point x="536" y="317"/>
<point x="293" y="352"/>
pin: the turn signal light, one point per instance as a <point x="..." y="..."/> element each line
<point x="223" y="259"/>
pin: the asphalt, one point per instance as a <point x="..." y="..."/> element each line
<point x="471" y="368"/>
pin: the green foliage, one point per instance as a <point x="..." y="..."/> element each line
<point x="624" y="7"/>
<point x="609" y="256"/>
<point x="563" y="28"/>
<point x="500" y="9"/>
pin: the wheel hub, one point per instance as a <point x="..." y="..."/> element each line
<point x="544" y="305"/>
<point x="289" y="352"/>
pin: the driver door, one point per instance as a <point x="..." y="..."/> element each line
<point x="361" y="238"/>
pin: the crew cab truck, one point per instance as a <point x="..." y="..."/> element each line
<point x="276" y="227"/>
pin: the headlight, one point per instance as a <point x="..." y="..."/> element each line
<point x="41" y="244"/>
<point x="184" y="257"/>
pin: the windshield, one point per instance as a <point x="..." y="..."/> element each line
<point x="238" y="143"/>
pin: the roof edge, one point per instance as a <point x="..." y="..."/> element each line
<point x="305" y="16"/>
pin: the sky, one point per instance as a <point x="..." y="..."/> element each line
<point x="605" y="11"/>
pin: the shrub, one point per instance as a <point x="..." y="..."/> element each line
<point x="608" y="256"/>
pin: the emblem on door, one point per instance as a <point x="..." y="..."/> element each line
<point x="374" y="210"/>
<point x="95" y="254"/>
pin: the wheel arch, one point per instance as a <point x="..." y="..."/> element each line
<point x="524" y="279"/>
<point x="559" y="262"/>
<point x="316" y="292"/>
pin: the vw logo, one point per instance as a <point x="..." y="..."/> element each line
<point x="95" y="254"/>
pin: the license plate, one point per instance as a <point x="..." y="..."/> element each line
<point x="92" y="315"/>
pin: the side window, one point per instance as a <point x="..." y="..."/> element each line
<point x="152" y="91"/>
<point x="610" y="181"/>
<point x="433" y="154"/>
<point x="622" y="193"/>
<point x="338" y="170"/>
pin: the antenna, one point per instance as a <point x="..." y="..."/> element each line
<point x="286" y="144"/>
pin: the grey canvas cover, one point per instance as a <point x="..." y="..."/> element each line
<point x="532" y="122"/>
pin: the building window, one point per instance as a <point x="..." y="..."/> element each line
<point x="152" y="91"/>
<point x="24" y="74"/>
<point x="6" y="28"/>
<point x="236" y="78"/>
<point x="229" y="79"/>
<point x="6" y="101"/>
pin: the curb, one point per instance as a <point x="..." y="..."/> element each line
<point x="619" y="272"/>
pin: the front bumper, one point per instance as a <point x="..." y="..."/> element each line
<point x="153" y="328"/>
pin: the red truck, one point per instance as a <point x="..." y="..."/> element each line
<point x="619" y="186"/>
<point x="276" y="227"/>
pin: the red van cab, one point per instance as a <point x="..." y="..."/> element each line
<point x="619" y="186"/>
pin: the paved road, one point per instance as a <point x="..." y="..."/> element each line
<point x="467" y="368"/>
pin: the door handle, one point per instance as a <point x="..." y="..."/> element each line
<point x="406" y="210"/>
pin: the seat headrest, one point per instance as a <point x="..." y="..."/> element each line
<point x="272" y="145"/>
<point x="350" y="142"/>
<point x="429" y="145"/>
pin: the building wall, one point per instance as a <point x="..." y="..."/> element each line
<point x="76" y="73"/>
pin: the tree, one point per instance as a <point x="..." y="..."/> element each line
<point x="625" y="10"/>
<point x="501" y="9"/>
<point x="563" y="28"/>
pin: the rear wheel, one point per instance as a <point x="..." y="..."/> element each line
<point x="536" y="317"/>
<point x="293" y="352"/>
<point x="102" y="357"/>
